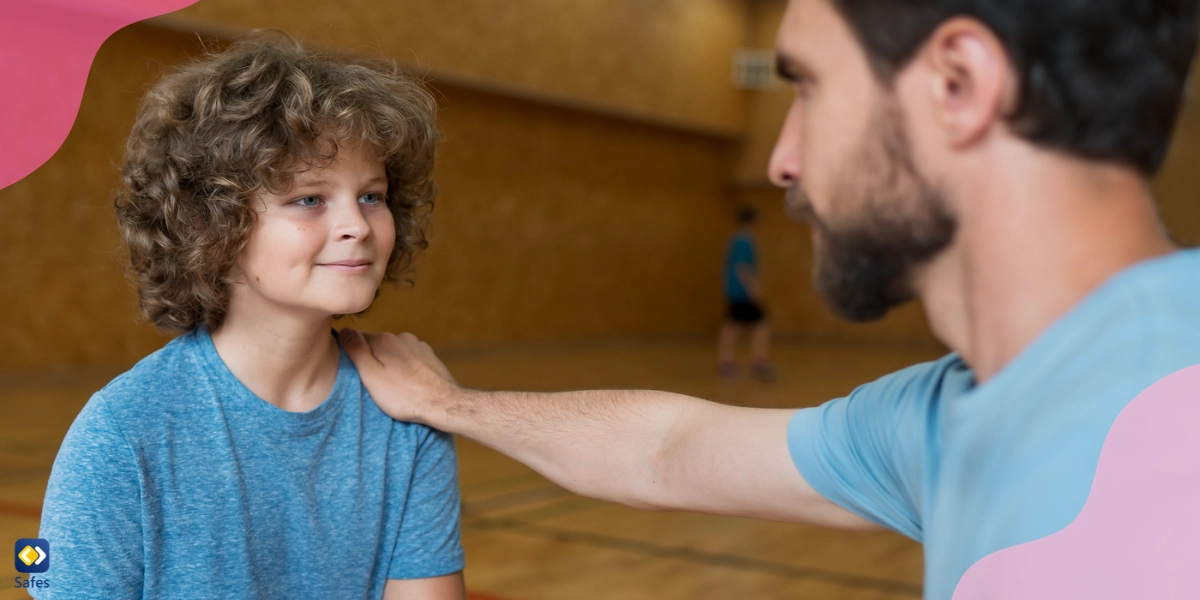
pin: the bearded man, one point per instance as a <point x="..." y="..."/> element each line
<point x="990" y="158"/>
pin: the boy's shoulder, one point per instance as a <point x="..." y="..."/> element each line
<point x="158" y="381"/>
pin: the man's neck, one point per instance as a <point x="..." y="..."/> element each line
<point x="288" y="361"/>
<point x="1032" y="243"/>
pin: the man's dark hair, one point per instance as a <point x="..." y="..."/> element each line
<point x="1101" y="79"/>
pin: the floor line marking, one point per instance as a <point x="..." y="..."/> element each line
<point x="514" y="499"/>
<point x="697" y="556"/>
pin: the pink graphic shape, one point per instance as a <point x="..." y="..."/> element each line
<point x="1138" y="535"/>
<point x="46" y="50"/>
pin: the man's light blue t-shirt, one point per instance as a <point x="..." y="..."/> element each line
<point x="175" y="481"/>
<point x="972" y="469"/>
<point x="740" y="252"/>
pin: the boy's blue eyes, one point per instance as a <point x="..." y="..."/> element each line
<point x="315" y="201"/>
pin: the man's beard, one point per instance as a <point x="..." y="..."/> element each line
<point x="894" y="221"/>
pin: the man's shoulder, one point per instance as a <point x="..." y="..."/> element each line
<point x="1165" y="291"/>
<point x="921" y="383"/>
<point x="1143" y="319"/>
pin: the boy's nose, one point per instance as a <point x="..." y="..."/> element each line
<point x="351" y="224"/>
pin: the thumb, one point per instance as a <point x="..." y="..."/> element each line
<point x="357" y="348"/>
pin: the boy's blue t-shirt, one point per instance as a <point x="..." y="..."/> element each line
<point x="175" y="481"/>
<point x="740" y="252"/>
<point x="972" y="469"/>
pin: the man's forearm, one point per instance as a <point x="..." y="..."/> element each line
<point x="641" y="448"/>
<point x="606" y="444"/>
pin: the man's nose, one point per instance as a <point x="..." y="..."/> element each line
<point x="785" y="166"/>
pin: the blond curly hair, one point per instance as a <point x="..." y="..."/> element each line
<point x="216" y="131"/>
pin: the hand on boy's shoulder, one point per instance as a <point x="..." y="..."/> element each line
<point x="403" y="375"/>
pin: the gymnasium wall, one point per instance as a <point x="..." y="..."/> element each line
<point x="665" y="59"/>
<point x="66" y="301"/>
<point x="589" y="174"/>
<point x="1177" y="186"/>
<point x="554" y="221"/>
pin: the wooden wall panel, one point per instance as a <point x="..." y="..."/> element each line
<point x="66" y="301"/>
<point x="1177" y="187"/>
<point x="668" y="58"/>
<point x="552" y="223"/>
<point x="765" y="109"/>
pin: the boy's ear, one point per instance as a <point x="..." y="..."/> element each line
<point x="972" y="84"/>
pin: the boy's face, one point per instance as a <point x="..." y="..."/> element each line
<point x="322" y="247"/>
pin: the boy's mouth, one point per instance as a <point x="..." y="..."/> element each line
<point x="348" y="266"/>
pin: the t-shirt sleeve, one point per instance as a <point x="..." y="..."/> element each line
<point x="92" y="512"/>
<point x="868" y="452"/>
<point x="430" y="542"/>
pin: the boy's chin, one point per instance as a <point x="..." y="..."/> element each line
<point x="350" y="307"/>
<point x="349" y="310"/>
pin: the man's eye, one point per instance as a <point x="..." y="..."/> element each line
<point x="309" y="201"/>
<point x="371" y="198"/>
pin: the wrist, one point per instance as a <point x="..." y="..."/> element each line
<point x="439" y="408"/>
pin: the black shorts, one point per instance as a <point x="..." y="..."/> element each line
<point x="745" y="312"/>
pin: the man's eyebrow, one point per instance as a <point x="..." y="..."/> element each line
<point x="789" y="69"/>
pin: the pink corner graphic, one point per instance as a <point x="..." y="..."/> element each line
<point x="1138" y="535"/>
<point x="46" y="50"/>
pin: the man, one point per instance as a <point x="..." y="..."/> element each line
<point x="743" y="298"/>
<point x="989" y="158"/>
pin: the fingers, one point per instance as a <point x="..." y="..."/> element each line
<point x="358" y="349"/>
<point x="383" y="349"/>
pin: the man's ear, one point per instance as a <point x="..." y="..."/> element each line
<point x="972" y="84"/>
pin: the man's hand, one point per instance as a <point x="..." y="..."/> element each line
<point x="403" y="375"/>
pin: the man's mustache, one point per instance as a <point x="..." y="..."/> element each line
<point x="798" y="207"/>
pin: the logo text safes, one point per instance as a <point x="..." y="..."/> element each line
<point x="31" y="555"/>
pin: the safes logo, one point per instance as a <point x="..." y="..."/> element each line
<point x="32" y="555"/>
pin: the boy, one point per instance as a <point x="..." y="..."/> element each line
<point x="267" y="191"/>
<point x="743" y="297"/>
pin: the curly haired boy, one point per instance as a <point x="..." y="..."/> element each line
<point x="267" y="190"/>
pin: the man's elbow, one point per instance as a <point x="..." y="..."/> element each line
<point x="642" y="495"/>
<point x="652" y="488"/>
<point x="643" y="487"/>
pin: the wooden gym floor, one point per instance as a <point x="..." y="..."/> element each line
<point x="526" y="538"/>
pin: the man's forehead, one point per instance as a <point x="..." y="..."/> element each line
<point x="810" y="29"/>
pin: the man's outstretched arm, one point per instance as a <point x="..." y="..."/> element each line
<point x="647" y="449"/>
